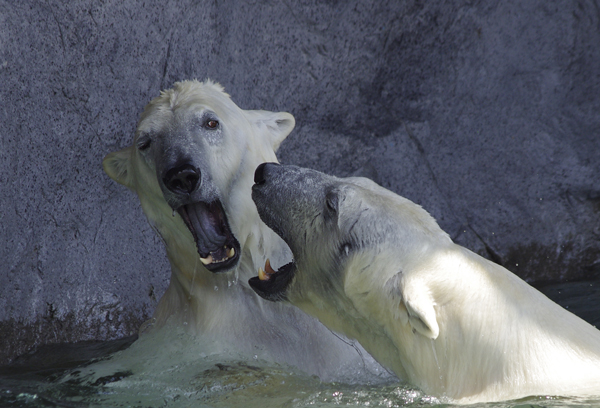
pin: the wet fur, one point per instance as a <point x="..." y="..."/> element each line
<point x="377" y="267"/>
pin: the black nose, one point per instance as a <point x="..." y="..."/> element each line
<point x="259" y="174"/>
<point x="182" y="179"/>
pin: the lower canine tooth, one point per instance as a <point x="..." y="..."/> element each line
<point x="207" y="260"/>
<point x="231" y="253"/>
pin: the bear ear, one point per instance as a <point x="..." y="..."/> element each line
<point x="117" y="166"/>
<point x="421" y="316"/>
<point x="277" y="125"/>
<point x="416" y="305"/>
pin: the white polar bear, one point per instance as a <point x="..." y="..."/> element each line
<point x="191" y="164"/>
<point x="377" y="267"/>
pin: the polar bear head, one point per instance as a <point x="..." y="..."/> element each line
<point x="339" y="230"/>
<point x="191" y="164"/>
<point x="356" y="247"/>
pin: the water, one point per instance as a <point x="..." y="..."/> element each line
<point x="180" y="372"/>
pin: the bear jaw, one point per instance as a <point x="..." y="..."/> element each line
<point x="217" y="246"/>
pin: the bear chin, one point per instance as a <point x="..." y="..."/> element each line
<point x="217" y="247"/>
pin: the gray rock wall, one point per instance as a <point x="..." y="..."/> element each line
<point x="486" y="113"/>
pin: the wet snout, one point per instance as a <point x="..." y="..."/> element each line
<point x="196" y="199"/>
<point x="286" y="197"/>
<point x="266" y="194"/>
<point x="182" y="179"/>
<point x="267" y="190"/>
<point x="262" y="172"/>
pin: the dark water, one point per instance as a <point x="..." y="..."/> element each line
<point x="70" y="375"/>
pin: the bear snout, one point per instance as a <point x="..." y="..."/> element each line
<point x="260" y="173"/>
<point x="182" y="179"/>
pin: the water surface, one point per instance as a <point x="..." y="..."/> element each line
<point x="166" y="371"/>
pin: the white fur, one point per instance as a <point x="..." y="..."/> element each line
<point x="221" y="306"/>
<point x="443" y="318"/>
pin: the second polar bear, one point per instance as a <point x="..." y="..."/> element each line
<point x="377" y="267"/>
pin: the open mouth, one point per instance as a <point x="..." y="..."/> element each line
<point x="218" y="249"/>
<point x="272" y="284"/>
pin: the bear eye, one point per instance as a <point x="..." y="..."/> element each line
<point x="143" y="143"/>
<point x="212" y="124"/>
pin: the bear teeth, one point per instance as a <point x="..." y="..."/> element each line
<point x="265" y="274"/>
<point x="207" y="261"/>
<point x="210" y="259"/>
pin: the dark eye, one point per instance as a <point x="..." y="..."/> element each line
<point x="212" y="124"/>
<point x="143" y="143"/>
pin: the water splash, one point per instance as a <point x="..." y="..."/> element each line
<point x="177" y="375"/>
<point x="171" y="369"/>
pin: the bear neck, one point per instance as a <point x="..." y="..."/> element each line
<point x="197" y="290"/>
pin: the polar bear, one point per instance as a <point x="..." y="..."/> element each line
<point x="191" y="164"/>
<point x="377" y="267"/>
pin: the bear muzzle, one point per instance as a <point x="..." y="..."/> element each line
<point x="182" y="180"/>
<point x="202" y="212"/>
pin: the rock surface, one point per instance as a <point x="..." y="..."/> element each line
<point x="487" y="114"/>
